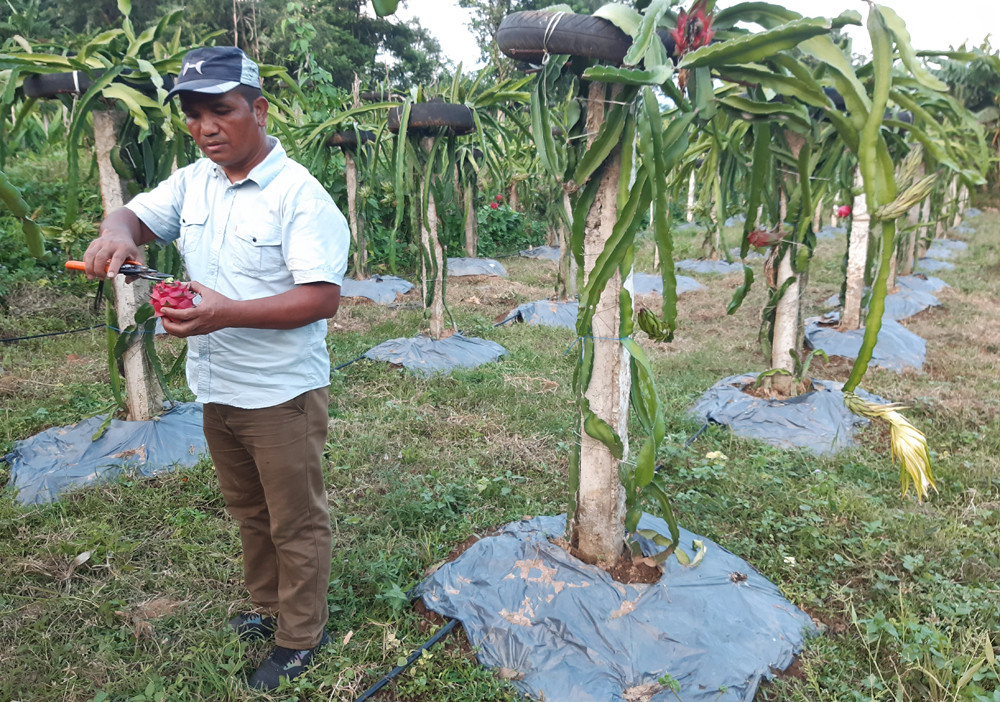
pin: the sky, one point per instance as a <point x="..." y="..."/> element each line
<point x="933" y="24"/>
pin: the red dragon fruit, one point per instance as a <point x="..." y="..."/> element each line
<point x="844" y="211"/>
<point x="171" y="294"/>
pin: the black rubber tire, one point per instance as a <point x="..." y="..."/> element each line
<point x="431" y="116"/>
<point x="49" y="85"/>
<point x="379" y="96"/>
<point x="528" y="36"/>
<point x="348" y="139"/>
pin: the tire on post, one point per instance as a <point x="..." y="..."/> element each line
<point x="528" y="36"/>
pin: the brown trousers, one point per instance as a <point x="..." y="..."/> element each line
<point x="269" y="464"/>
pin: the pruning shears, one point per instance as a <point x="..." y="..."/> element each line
<point x="129" y="268"/>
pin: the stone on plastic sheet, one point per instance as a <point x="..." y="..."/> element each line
<point x="546" y="253"/>
<point x="379" y="288"/>
<point x="933" y="265"/>
<point x="575" y="635"/>
<point x="710" y="267"/>
<point x="60" y="459"/>
<point x="459" y="267"/>
<point x="426" y="356"/>
<point x="897" y="349"/>
<point x="817" y="421"/>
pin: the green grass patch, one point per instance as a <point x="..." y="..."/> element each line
<point x="905" y="593"/>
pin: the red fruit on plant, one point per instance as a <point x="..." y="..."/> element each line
<point x="499" y="198"/>
<point x="762" y="238"/>
<point x="494" y="205"/>
<point x="844" y="211"/>
<point x="172" y="293"/>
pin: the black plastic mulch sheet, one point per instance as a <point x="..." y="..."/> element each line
<point x="752" y="255"/>
<point x="914" y="294"/>
<point x="546" y="313"/>
<point x="61" y="459"/>
<point x="552" y="313"/>
<point x="382" y="289"/>
<point x="933" y="265"/>
<point x="575" y="635"/>
<point x="945" y="248"/>
<point x="652" y="284"/>
<point x="707" y="266"/>
<point x="817" y="421"/>
<point x="426" y="356"/>
<point x="897" y="347"/>
<point x="458" y="267"/>
<point x="547" y="253"/>
<point x="830" y="232"/>
<point x="922" y="283"/>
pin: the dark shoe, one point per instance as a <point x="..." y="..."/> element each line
<point x="284" y="663"/>
<point x="254" y="627"/>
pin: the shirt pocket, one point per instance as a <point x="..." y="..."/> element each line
<point x="192" y="231"/>
<point x="256" y="250"/>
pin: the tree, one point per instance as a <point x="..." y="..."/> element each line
<point x="336" y="34"/>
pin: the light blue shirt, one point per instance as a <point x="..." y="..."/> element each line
<point x="258" y="237"/>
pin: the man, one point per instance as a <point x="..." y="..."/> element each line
<point x="266" y="249"/>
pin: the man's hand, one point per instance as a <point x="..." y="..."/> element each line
<point x="106" y="254"/>
<point x="294" y="308"/>
<point x="121" y="235"/>
<point x="210" y="314"/>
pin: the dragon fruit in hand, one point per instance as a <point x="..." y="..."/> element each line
<point x="171" y="293"/>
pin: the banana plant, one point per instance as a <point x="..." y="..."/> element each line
<point x="631" y="145"/>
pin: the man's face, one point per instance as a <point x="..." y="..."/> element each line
<point x="227" y="129"/>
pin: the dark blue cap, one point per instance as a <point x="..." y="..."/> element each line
<point x="215" y="70"/>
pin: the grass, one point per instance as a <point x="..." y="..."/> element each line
<point x="905" y="593"/>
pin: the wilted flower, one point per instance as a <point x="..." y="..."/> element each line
<point x="762" y="238"/>
<point x="909" y="445"/>
<point x="694" y="29"/>
<point x="844" y="211"/>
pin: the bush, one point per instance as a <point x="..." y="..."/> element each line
<point x="503" y="230"/>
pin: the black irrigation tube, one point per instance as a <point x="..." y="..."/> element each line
<point x="345" y="365"/>
<point x="11" y="340"/>
<point x="696" y="435"/>
<point x="441" y="633"/>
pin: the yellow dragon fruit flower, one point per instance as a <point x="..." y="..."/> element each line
<point x="909" y="445"/>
